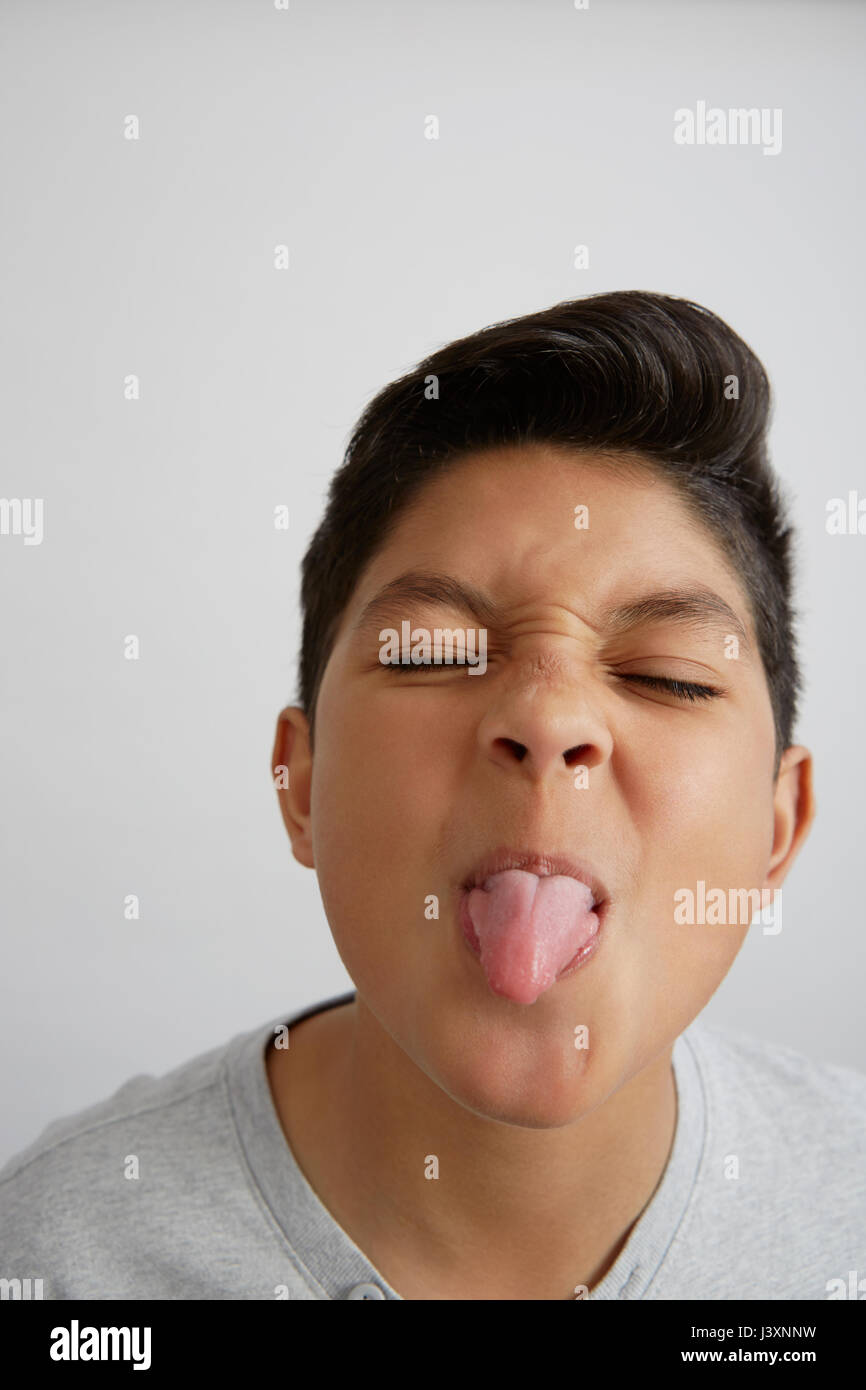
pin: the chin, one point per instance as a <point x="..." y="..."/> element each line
<point x="540" y="1093"/>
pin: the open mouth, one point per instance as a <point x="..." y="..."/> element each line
<point x="531" y="920"/>
<point x="541" y="864"/>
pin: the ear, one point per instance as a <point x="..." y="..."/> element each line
<point x="793" y="811"/>
<point x="292" y="771"/>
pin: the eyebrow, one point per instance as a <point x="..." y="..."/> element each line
<point x="696" y="608"/>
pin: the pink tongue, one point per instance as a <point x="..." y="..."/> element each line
<point x="529" y="928"/>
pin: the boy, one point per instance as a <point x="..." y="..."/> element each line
<point x="548" y="687"/>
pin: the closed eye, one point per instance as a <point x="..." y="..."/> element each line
<point x="684" y="690"/>
<point x="681" y="690"/>
<point x="409" y="667"/>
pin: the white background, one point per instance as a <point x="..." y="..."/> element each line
<point x="155" y="257"/>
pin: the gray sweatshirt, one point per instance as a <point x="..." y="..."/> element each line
<point x="763" y="1196"/>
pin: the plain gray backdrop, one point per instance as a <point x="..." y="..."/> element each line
<point x="261" y="127"/>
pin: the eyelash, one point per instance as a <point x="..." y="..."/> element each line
<point x="683" y="690"/>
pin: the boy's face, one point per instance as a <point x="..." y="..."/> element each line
<point x="418" y="776"/>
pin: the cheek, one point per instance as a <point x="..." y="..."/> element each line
<point x="702" y="811"/>
<point x="380" y="784"/>
<point x="704" y="801"/>
<point x="690" y="962"/>
<point x="379" y="799"/>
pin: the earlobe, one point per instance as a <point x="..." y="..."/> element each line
<point x="793" y="809"/>
<point x="291" y="770"/>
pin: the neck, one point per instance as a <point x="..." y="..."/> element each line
<point x="513" y="1213"/>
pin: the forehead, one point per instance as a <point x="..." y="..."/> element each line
<point x="504" y="519"/>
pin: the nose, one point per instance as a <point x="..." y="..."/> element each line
<point x="545" y="721"/>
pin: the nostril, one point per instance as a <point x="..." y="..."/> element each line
<point x="518" y="749"/>
<point x="574" y="755"/>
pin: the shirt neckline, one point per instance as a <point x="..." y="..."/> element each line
<point x="329" y="1260"/>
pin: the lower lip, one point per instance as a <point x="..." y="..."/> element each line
<point x="585" y="954"/>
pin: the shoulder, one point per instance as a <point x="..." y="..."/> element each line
<point x="785" y="1142"/>
<point x="146" y="1105"/>
<point x="150" y="1192"/>
<point x="89" y="1131"/>
<point x="781" y="1084"/>
<point x="777" y="1206"/>
<point x="96" y="1193"/>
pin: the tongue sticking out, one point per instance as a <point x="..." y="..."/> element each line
<point x="529" y="928"/>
